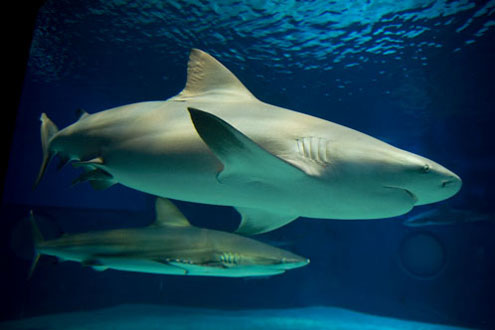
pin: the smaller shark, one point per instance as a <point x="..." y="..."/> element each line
<point x="446" y="216"/>
<point x="170" y="245"/>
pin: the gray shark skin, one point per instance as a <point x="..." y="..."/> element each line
<point x="170" y="245"/>
<point x="444" y="216"/>
<point x="215" y="143"/>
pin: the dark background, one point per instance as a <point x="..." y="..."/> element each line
<point x="443" y="110"/>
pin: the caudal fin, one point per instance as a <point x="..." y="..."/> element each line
<point x="48" y="130"/>
<point x="37" y="239"/>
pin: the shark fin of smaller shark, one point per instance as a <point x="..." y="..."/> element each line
<point x="37" y="238"/>
<point x="33" y="264"/>
<point x="257" y="221"/>
<point x="206" y="76"/>
<point x="167" y="214"/>
<point x="243" y="159"/>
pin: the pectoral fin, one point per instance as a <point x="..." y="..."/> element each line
<point x="257" y="221"/>
<point x="192" y="269"/>
<point x="241" y="156"/>
<point x="183" y="267"/>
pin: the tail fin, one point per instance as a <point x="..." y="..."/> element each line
<point x="37" y="238"/>
<point x="48" y="130"/>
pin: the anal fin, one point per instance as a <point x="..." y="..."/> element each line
<point x="98" y="161"/>
<point x="258" y="221"/>
<point x="98" y="178"/>
<point x="102" y="184"/>
<point x="95" y="264"/>
<point x="63" y="161"/>
<point x="91" y="262"/>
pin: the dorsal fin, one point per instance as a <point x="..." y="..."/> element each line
<point x="81" y="114"/>
<point x="167" y="214"/>
<point x="206" y="76"/>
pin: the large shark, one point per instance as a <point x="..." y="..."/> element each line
<point x="170" y="245"/>
<point x="216" y="143"/>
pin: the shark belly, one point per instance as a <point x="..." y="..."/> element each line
<point x="170" y="160"/>
<point x="167" y="158"/>
<point x="177" y="268"/>
<point x="141" y="266"/>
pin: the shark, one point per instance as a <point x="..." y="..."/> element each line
<point x="169" y="245"/>
<point x="445" y="215"/>
<point x="216" y="143"/>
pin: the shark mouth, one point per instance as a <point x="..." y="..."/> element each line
<point x="411" y="194"/>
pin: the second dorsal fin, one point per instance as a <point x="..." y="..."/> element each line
<point x="207" y="76"/>
<point x="81" y="114"/>
<point x="167" y="214"/>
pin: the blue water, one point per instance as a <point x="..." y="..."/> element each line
<point x="417" y="74"/>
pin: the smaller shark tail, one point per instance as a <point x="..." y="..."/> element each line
<point x="37" y="238"/>
<point x="48" y="130"/>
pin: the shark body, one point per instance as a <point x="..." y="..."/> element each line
<point x="215" y="143"/>
<point x="170" y="245"/>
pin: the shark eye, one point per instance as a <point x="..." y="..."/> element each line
<point x="425" y="168"/>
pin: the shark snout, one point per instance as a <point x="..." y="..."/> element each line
<point x="441" y="184"/>
<point x="451" y="185"/>
<point x="293" y="262"/>
<point x="452" y="182"/>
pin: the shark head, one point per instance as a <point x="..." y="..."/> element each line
<point x="385" y="175"/>
<point x="248" y="256"/>
<point x="427" y="181"/>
